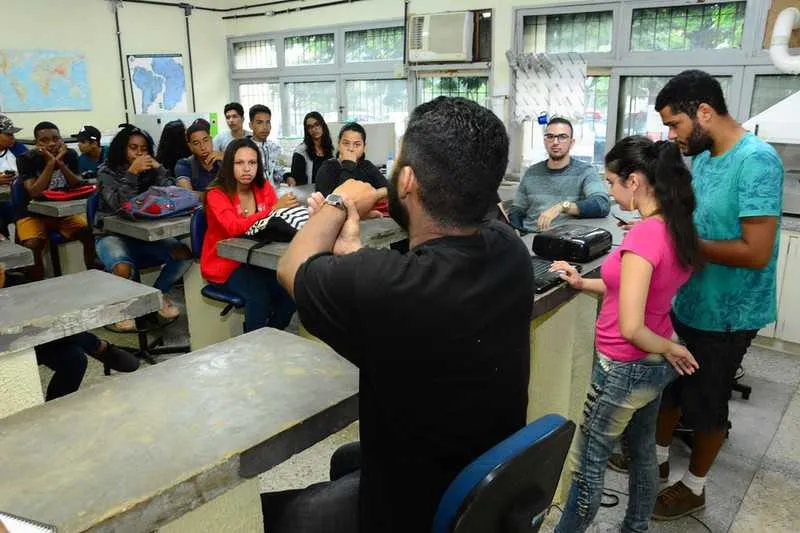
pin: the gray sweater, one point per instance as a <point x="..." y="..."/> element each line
<point x="116" y="187"/>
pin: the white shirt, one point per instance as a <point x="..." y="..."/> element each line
<point x="8" y="161"/>
<point x="223" y="139"/>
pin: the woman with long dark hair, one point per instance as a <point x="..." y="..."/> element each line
<point x="636" y="354"/>
<point x="172" y="145"/>
<point x="316" y="148"/>
<point x="130" y="170"/>
<point x="237" y="198"/>
<point x="350" y="162"/>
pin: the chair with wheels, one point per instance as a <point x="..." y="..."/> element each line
<point x="147" y="324"/>
<point x="198" y="227"/>
<point x="509" y="488"/>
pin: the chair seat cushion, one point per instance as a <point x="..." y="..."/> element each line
<point x="219" y="294"/>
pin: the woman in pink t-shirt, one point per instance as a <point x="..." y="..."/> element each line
<point x="636" y="356"/>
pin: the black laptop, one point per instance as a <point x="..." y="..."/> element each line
<point x="543" y="279"/>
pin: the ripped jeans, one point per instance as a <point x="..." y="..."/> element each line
<point x="621" y="395"/>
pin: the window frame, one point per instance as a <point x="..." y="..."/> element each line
<point x="749" y="86"/>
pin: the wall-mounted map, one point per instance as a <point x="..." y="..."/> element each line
<point x="158" y="83"/>
<point x="43" y="80"/>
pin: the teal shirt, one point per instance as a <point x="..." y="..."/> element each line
<point x="745" y="181"/>
<point x="86" y="163"/>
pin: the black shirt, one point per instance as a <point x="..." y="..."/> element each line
<point x="30" y="165"/>
<point x="333" y="173"/>
<point x="441" y="337"/>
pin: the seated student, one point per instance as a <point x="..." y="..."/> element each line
<point x="261" y="124"/>
<point x="92" y="154"/>
<point x="50" y="166"/>
<point x="10" y="149"/>
<point x="131" y="169"/>
<point x="441" y="334"/>
<point x="235" y="200"/>
<point x="172" y="145"/>
<point x="350" y="163"/>
<point x="199" y="169"/>
<point x="559" y="186"/>
<point x="67" y="357"/>
<point x="316" y="148"/>
<point x="234" y="117"/>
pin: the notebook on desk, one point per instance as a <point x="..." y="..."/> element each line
<point x="15" y="524"/>
<point x="543" y="279"/>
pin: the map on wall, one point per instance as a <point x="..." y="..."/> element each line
<point x="43" y="80"/>
<point x="158" y="83"/>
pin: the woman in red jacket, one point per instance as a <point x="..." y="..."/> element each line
<point x="237" y="198"/>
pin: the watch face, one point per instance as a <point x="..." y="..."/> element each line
<point x="333" y="199"/>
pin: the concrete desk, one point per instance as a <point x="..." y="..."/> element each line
<point x="375" y="233"/>
<point x="53" y="309"/>
<point x="190" y="434"/>
<point x="13" y="255"/>
<point x="60" y="209"/>
<point x="148" y="230"/>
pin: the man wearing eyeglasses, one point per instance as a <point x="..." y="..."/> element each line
<point x="558" y="187"/>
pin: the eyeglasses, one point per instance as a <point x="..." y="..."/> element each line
<point x="561" y="137"/>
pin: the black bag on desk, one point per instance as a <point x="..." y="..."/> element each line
<point x="572" y="242"/>
<point x="280" y="226"/>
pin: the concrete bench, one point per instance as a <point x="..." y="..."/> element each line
<point x="13" y="255"/>
<point x="178" y="444"/>
<point x="60" y="209"/>
<point x="55" y="308"/>
<point x="148" y="230"/>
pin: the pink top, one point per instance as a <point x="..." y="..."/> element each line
<point x="649" y="239"/>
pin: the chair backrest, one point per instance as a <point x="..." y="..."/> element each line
<point x="92" y="205"/>
<point x="197" y="231"/>
<point x="509" y="488"/>
<point x="19" y="196"/>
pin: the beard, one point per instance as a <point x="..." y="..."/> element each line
<point x="397" y="210"/>
<point x="698" y="142"/>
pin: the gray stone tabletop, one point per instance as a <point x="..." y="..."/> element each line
<point x="57" y="307"/>
<point x="64" y="208"/>
<point x="148" y="230"/>
<point x="13" y="255"/>
<point x="130" y="454"/>
<point x="790" y="223"/>
<point x="375" y="233"/>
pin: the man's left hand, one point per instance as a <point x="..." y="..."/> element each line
<point x="547" y="217"/>
<point x="349" y="239"/>
<point x="363" y="195"/>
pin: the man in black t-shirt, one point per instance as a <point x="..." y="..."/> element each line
<point x="51" y="166"/>
<point x="440" y="334"/>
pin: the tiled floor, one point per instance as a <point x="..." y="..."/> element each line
<point x="753" y="487"/>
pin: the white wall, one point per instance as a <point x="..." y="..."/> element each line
<point x="88" y="26"/>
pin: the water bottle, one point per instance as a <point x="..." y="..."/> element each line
<point x="389" y="165"/>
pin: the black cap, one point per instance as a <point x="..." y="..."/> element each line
<point x="198" y="125"/>
<point x="88" y="133"/>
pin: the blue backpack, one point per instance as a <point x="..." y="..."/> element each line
<point x="160" y="202"/>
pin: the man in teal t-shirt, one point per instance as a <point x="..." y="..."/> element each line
<point x="738" y="184"/>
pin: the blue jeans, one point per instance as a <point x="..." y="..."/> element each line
<point x="266" y="303"/>
<point x="621" y="395"/>
<point x="67" y="359"/>
<point x="114" y="249"/>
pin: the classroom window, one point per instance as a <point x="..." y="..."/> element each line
<point x="310" y="96"/>
<point x="268" y="94"/>
<point x="475" y="88"/>
<point x="377" y="101"/>
<point x="255" y="55"/>
<point x="378" y="44"/>
<point x="572" y="32"/>
<point x="309" y="50"/>
<point x="637" y="105"/>
<point x="770" y="89"/>
<point x="713" y="26"/>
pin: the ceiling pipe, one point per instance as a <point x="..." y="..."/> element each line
<point x="788" y="20"/>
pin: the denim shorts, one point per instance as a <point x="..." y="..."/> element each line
<point x="115" y="249"/>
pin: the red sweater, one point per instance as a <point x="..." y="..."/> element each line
<point x="225" y="222"/>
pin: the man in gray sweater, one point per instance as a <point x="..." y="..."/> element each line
<point x="558" y="187"/>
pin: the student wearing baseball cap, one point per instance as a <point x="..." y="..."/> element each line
<point x="10" y="149"/>
<point x="92" y="154"/>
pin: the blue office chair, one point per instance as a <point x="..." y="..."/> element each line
<point x="198" y="227"/>
<point x="509" y="488"/>
<point x="19" y="199"/>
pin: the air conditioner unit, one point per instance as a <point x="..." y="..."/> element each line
<point x="440" y="37"/>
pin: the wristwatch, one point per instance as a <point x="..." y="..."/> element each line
<point x="336" y="201"/>
<point x="565" y="206"/>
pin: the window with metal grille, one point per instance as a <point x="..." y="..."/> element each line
<point x="379" y="44"/>
<point x="699" y="27"/>
<point x="572" y="32"/>
<point x="254" y="54"/>
<point x="475" y="88"/>
<point x="303" y="97"/>
<point x="769" y="89"/>
<point x="309" y="50"/>
<point x="268" y="94"/>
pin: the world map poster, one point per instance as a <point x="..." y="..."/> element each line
<point x="158" y="83"/>
<point x="43" y="80"/>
